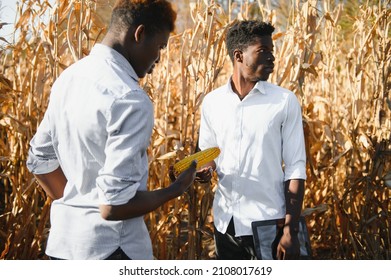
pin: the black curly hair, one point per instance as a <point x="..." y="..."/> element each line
<point x="155" y="15"/>
<point x="243" y="33"/>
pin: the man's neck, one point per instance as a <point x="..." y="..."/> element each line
<point x="241" y="86"/>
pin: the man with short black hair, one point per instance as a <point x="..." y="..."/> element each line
<point x="258" y="128"/>
<point x="90" y="151"/>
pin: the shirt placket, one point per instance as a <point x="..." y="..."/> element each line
<point x="236" y="178"/>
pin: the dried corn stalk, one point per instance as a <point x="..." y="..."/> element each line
<point x="342" y="78"/>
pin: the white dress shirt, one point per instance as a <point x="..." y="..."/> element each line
<point x="97" y="127"/>
<point x="262" y="146"/>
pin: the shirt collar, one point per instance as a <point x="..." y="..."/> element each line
<point x="109" y="53"/>
<point x="259" y="87"/>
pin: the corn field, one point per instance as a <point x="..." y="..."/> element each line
<point x="338" y="65"/>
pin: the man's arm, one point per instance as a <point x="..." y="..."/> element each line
<point x="289" y="247"/>
<point x="146" y="201"/>
<point x="294" y="194"/>
<point x="142" y="203"/>
<point x="53" y="183"/>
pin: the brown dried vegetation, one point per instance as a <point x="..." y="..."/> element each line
<point x="343" y="84"/>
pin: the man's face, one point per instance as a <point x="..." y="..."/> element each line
<point x="258" y="60"/>
<point x="150" y="52"/>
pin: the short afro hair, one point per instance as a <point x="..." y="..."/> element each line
<point x="244" y="33"/>
<point x="155" y="15"/>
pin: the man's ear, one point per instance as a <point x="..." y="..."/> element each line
<point x="238" y="55"/>
<point x="139" y="33"/>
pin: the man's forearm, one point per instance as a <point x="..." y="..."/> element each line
<point x="146" y="201"/>
<point x="53" y="183"/>
<point x="294" y="194"/>
<point x="142" y="203"/>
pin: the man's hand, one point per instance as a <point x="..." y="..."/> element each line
<point x="289" y="246"/>
<point x="204" y="175"/>
<point x="185" y="179"/>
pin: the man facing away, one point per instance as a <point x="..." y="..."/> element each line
<point x="90" y="151"/>
<point x="261" y="167"/>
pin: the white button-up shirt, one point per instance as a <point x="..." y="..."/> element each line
<point x="262" y="146"/>
<point x="97" y="127"/>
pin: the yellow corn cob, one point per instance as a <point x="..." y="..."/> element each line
<point x="202" y="158"/>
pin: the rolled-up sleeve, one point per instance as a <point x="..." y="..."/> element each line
<point x="294" y="155"/>
<point x="207" y="136"/>
<point x="129" y="128"/>
<point x="42" y="157"/>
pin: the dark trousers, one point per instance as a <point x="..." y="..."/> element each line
<point x="116" y="255"/>
<point x="229" y="247"/>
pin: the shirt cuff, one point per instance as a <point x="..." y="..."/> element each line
<point x="115" y="191"/>
<point x="296" y="171"/>
<point x="41" y="166"/>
